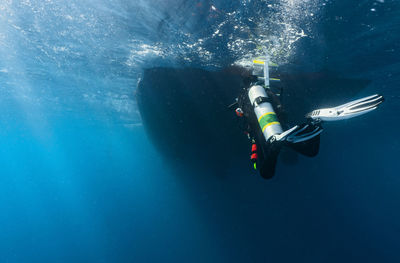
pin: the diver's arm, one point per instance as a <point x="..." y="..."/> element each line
<point x="348" y="110"/>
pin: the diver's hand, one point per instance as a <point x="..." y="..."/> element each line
<point x="298" y="133"/>
<point x="348" y="110"/>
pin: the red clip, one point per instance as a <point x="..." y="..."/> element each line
<point x="254" y="148"/>
<point x="239" y="112"/>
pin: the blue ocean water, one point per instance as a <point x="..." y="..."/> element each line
<point x="81" y="181"/>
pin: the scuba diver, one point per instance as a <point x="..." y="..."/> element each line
<point x="261" y="111"/>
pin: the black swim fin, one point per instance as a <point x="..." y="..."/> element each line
<point x="308" y="148"/>
<point x="267" y="166"/>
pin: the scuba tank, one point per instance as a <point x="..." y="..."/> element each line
<point x="264" y="111"/>
<point x="264" y="125"/>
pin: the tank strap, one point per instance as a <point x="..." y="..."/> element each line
<point x="261" y="99"/>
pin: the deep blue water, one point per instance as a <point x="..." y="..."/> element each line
<point x="81" y="182"/>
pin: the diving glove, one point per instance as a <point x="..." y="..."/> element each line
<point x="348" y="110"/>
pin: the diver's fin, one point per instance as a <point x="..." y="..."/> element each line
<point x="299" y="133"/>
<point x="347" y="110"/>
<point x="308" y="148"/>
<point x="267" y="160"/>
<point x="267" y="168"/>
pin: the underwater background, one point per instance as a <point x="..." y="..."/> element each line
<point x="80" y="181"/>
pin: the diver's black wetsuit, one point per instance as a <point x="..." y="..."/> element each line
<point x="267" y="152"/>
